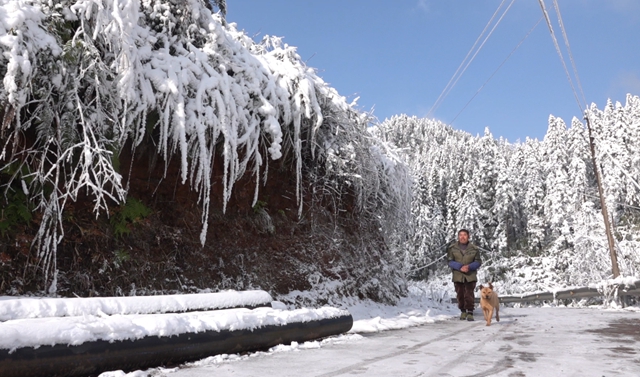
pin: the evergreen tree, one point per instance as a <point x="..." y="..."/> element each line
<point x="580" y="171"/>
<point x="557" y="195"/>
<point x="507" y="209"/>
<point x="533" y="193"/>
<point x="485" y="183"/>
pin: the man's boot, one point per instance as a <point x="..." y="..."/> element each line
<point x="470" y="316"/>
<point x="463" y="315"/>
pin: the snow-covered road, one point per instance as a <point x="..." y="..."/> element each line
<point x="530" y="342"/>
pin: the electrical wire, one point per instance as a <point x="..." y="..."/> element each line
<point x="442" y="257"/>
<point x="466" y="57"/>
<point x="435" y="261"/>
<point x="430" y="264"/>
<point x="587" y="114"/>
<point x="566" y="42"/>
<point x="479" y="48"/>
<point x="497" y="69"/>
<point x="613" y="160"/>
<point x="454" y="79"/>
<point x="557" y="46"/>
<point x="614" y="202"/>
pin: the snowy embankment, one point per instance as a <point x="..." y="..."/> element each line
<point x="34" y="322"/>
<point x="87" y="80"/>
<point x="421" y="306"/>
<point x="85" y="340"/>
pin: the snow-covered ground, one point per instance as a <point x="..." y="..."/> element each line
<point x="31" y="322"/>
<point x="423" y="314"/>
<point x="533" y="342"/>
<point x="428" y="337"/>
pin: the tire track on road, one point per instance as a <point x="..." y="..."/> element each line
<point x="475" y="348"/>
<point x="374" y="360"/>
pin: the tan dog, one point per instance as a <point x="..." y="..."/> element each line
<point x="488" y="302"/>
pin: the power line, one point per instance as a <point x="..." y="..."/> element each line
<point x="613" y="160"/>
<point x="479" y="48"/>
<point x="430" y="264"/>
<point x="566" y="42"/>
<point x="497" y="69"/>
<point x="441" y="257"/>
<point x="614" y="202"/>
<point x="465" y="58"/>
<point x="454" y="79"/>
<point x="555" y="43"/>
<point x="435" y="261"/>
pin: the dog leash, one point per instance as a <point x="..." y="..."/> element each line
<point x="442" y="257"/>
<point x="435" y="261"/>
<point x="430" y="264"/>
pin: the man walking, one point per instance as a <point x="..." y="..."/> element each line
<point x="464" y="261"/>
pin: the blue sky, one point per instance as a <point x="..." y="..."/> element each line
<point x="398" y="56"/>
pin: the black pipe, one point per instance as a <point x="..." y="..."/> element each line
<point x="93" y="358"/>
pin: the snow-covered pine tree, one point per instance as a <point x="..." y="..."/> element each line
<point x="218" y="4"/>
<point x="485" y="179"/>
<point x="533" y="193"/>
<point x="580" y="169"/>
<point x="558" y="191"/>
<point x="542" y="195"/>
<point x="507" y="208"/>
<point x="612" y="133"/>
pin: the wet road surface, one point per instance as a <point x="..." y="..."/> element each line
<point x="531" y="342"/>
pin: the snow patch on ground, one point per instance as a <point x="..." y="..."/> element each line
<point x="421" y="306"/>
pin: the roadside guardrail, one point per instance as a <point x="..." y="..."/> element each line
<point x="621" y="291"/>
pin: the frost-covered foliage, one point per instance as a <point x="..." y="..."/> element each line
<point x="84" y="79"/>
<point x="532" y="206"/>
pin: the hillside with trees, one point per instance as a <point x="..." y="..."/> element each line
<point x="150" y="147"/>
<point x="533" y="205"/>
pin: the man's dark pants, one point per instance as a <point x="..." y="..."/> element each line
<point x="465" y="293"/>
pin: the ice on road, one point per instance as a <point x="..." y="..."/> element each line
<point x="546" y="341"/>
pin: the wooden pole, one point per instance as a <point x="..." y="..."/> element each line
<point x="603" y="204"/>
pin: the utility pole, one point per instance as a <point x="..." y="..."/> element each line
<point x="603" y="204"/>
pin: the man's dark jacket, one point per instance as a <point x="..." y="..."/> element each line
<point x="458" y="258"/>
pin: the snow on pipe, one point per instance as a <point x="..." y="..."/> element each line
<point x="95" y="357"/>
<point x="18" y="308"/>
